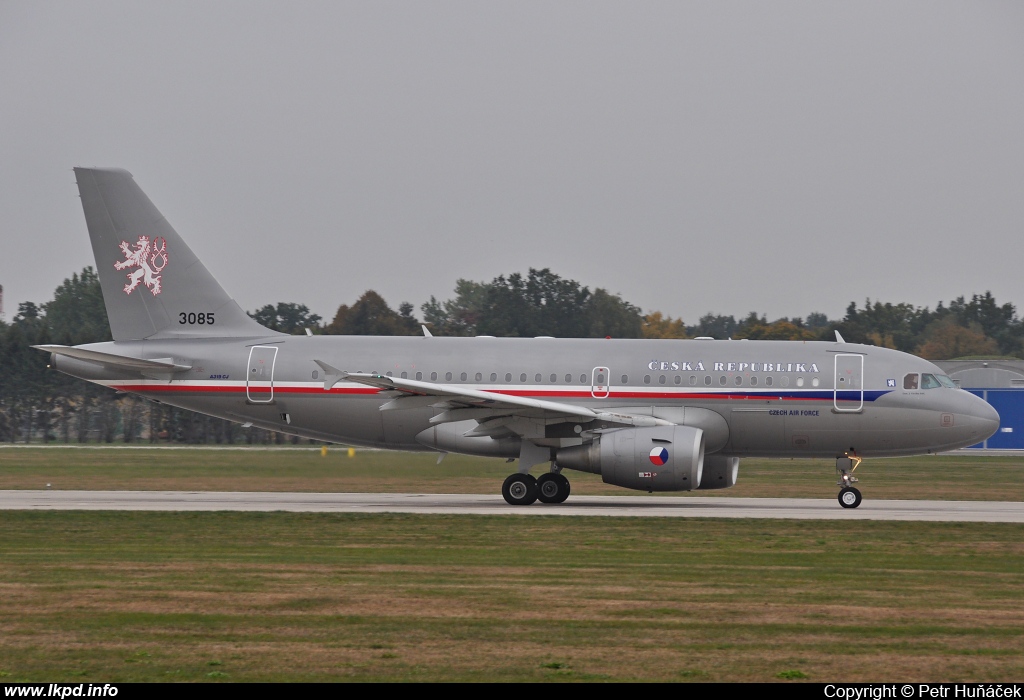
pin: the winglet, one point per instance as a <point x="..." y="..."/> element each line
<point x="332" y="375"/>
<point x="839" y="338"/>
<point x="426" y="332"/>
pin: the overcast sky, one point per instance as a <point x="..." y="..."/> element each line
<point x="782" y="157"/>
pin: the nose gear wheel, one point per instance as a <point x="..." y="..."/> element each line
<point x="849" y="497"/>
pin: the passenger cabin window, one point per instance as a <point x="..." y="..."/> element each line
<point x="508" y="376"/>
<point x="448" y="376"/>
<point x="536" y="377"/>
<point x="679" y="379"/>
<point x="494" y="376"/>
<point x="928" y="381"/>
<point x="647" y="379"/>
<point x="753" y="381"/>
<point x="625" y="379"/>
<point x="522" y="377"/>
<point x="462" y="376"/>
<point x="419" y="376"/>
<point x="768" y="381"/>
<point x="554" y="378"/>
<point x="479" y="376"/>
<point x="405" y="375"/>
<point x="583" y="379"/>
<point x="433" y="376"/>
<point x="722" y="380"/>
<point x="661" y="379"/>
<point x="693" y="380"/>
<point x="739" y="380"/>
<point x="910" y="381"/>
<point x="568" y="379"/>
<point x="707" y="380"/>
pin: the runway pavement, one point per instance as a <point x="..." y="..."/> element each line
<point x="477" y="504"/>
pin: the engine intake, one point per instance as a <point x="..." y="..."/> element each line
<point x="661" y="458"/>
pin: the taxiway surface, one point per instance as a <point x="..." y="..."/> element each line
<point x="482" y="504"/>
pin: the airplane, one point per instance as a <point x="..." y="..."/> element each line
<point x="650" y="415"/>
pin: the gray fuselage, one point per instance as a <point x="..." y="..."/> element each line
<point x="752" y="398"/>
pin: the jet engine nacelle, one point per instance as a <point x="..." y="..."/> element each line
<point x="719" y="472"/>
<point x="662" y="458"/>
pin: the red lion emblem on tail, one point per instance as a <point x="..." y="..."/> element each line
<point x="144" y="257"/>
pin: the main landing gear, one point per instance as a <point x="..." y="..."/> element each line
<point x="523" y="489"/>
<point x="849" y="495"/>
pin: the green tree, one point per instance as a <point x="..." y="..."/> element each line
<point x="946" y="339"/>
<point x="371" y="315"/>
<point x="782" y="329"/>
<point x="542" y="303"/>
<point x="609" y="315"/>
<point x="658" y="326"/>
<point x="713" y="326"/>
<point x="458" y="316"/>
<point x="996" y="321"/>
<point x="287" y="317"/>
<point x="899" y="326"/>
<point x="77" y="314"/>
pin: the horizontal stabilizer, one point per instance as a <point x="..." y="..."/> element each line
<point x="135" y="364"/>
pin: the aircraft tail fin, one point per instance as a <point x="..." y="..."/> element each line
<point x="153" y="284"/>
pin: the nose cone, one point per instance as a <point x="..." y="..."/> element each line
<point x="982" y="419"/>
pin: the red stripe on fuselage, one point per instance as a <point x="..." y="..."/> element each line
<point x="369" y="391"/>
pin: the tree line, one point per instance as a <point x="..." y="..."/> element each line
<point x="44" y="405"/>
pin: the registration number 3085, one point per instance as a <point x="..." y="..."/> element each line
<point x="201" y="319"/>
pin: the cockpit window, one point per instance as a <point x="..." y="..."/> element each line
<point x="910" y="381"/>
<point x="945" y="381"/>
<point x="928" y="381"/>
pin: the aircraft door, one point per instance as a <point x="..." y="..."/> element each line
<point x="600" y="379"/>
<point x="849" y="383"/>
<point x="259" y="377"/>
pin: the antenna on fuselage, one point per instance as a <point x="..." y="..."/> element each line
<point x="426" y="332"/>
<point x="839" y="338"/>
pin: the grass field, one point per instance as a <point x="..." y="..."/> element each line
<point x="949" y="477"/>
<point x="273" y="597"/>
<point x="116" y="596"/>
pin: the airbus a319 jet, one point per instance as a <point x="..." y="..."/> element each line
<point x="652" y="415"/>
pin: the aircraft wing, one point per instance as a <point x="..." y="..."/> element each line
<point x="462" y="404"/>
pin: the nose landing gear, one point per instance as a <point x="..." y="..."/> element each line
<point x="849" y="496"/>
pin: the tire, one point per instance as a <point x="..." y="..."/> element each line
<point x="849" y="497"/>
<point x="519" y="490"/>
<point x="552" y="488"/>
<point x="563" y="491"/>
